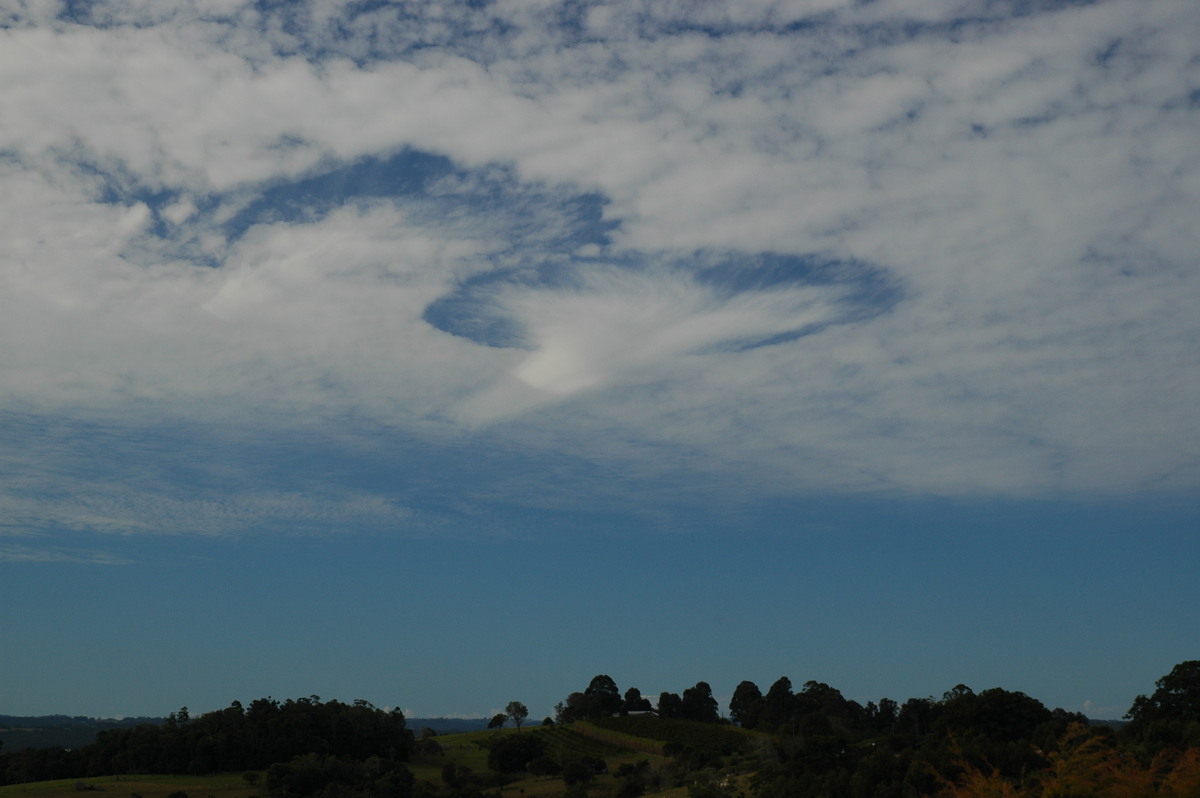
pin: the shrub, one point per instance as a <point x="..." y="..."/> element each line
<point x="512" y="754"/>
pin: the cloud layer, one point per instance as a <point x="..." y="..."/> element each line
<point x="810" y="247"/>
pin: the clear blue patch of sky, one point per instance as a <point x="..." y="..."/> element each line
<point x="404" y="174"/>
<point x="898" y="598"/>
<point x="488" y="195"/>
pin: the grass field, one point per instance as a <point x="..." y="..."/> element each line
<point x="466" y="750"/>
<point x="221" y="785"/>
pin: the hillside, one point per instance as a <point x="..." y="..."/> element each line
<point x="812" y="742"/>
<point x="59" y="731"/>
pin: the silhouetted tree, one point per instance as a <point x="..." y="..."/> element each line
<point x="820" y="699"/>
<point x="517" y="712"/>
<point x="698" y="704"/>
<point x="670" y="705"/>
<point x="778" y="705"/>
<point x="604" y="690"/>
<point x="882" y="718"/>
<point x="253" y="738"/>
<point x="577" y="707"/>
<point x="996" y="714"/>
<point x="1170" y="716"/>
<point x="746" y="704"/>
<point x="916" y="716"/>
<point x="635" y="702"/>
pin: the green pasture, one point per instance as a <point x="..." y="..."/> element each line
<point x="221" y="785"/>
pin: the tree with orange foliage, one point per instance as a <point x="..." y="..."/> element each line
<point x="1088" y="764"/>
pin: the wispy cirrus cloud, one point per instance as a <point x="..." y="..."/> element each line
<point x="30" y="554"/>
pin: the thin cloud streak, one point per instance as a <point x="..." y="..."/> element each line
<point x="30" y="554"/>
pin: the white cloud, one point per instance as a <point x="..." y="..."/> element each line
<point x="617" y="320"/>
<point x="28" y="12"/>
<point x="1026" y="184"/>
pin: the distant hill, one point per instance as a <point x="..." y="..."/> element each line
<point x="446" y="725"/>
<point x="65" y="731"/>
<point x="1116" y="725"/>
<point x="59" y="731"/>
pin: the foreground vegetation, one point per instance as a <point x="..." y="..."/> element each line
<point x="217" y="785"/>
<point x="785" y="743"/>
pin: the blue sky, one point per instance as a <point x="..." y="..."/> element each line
<point x="446" y="354"/>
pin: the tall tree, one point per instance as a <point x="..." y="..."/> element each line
<point x="577" y="707"/>
<point x="698" y="703"/>
<point x="1171" y="715"/>
<point x="821" y="699"/>
<point x="635" y="701"/>
<point x="957" y="691"/>
<point x="997" y="714"/>
<point x="883" y="717"/>
<point x="670" y="705"/>
<point x="777" y="707"/>
<point x="604" y="690"/>
<point x="916" y="716"/>
<point x="746" y="704"/>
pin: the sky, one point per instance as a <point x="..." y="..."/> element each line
<point x="444" y="354"/>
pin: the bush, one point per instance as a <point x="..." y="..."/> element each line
<point x="512" y="754"/>
<point x="315" y="775"/>
<point x="581" y="771"/>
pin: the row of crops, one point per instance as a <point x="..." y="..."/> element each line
<point x="618" y="738"/>
<point x="564" y="743"/>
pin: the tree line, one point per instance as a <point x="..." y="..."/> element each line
<point x="602" y="698"/>
<point x="810" y="741"/>
<point x="814" y="742"/>
<point x="236" y="738"/>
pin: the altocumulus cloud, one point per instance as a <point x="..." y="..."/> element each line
<point x="942" y="248"/>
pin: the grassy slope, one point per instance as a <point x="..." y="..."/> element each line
<point x="468" y="749"/>
<point x="221" y="785"/>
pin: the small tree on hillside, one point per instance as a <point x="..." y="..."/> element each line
<point x="517" y="712"/>
<point x="497" y="721"/>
